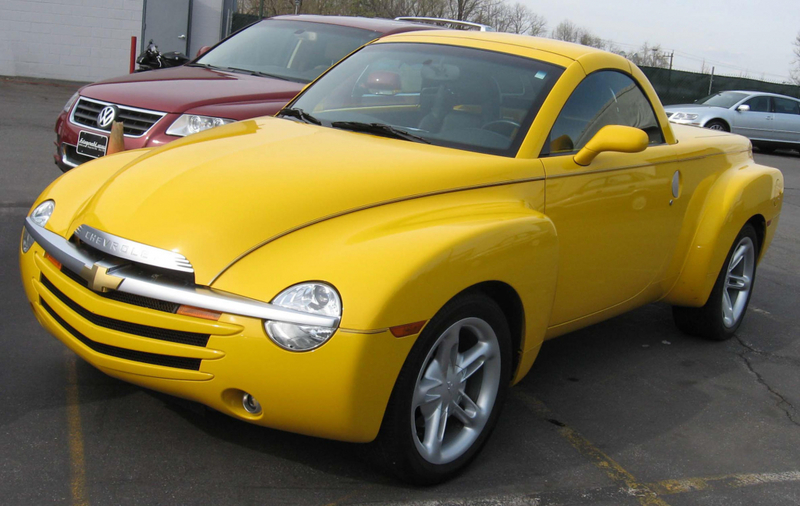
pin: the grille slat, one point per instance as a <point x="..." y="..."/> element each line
<point x="85" y="105"/>
<point x="127" y="298"/>
<point x="174" y="336"/>
<point x="135" y="123"/>
<point x="89" y="118"/>
<point x="133" y="355"/>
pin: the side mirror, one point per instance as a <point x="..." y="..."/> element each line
<point x="203" y="50"/>
<point x="743" y="108"/>
<point x="620" y="138"/>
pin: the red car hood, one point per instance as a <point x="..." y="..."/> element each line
<point x="181" y="89"/>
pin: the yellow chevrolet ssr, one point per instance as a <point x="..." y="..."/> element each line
<point x="384" y="259"/>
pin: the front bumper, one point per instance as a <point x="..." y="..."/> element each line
<point x="338" y="391"/>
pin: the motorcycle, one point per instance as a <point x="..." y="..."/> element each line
<point x="152" y="58"/>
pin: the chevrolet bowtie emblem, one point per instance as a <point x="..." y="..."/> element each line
<point x="99" y="279"/>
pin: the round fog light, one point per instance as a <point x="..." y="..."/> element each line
<point x="250" y="404"/>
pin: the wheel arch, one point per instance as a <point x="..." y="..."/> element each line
<point x="760" y="224"/>
<point x="721" y="120"/>
<point x="511" y="304"/>
<point x="747" y="194"/>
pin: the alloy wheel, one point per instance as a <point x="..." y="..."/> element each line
<point x="456" y="390"/>
<point x="738" y="282"/>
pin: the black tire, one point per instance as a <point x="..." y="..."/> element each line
<point x="396" y="446"/>
<point x="717" y="124"/>
<point x="708" y="321"/>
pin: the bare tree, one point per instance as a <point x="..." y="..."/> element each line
<point x="523" y="20"/>
<point x="794" y="73"/>
<point x="565" y="30"/>
<point x="505" y="17"/>
<point x="650" y="56"/>
<point x="570" y="32"/>
<point x="500" y="14"/>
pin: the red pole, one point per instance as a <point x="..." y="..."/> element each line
<point x="133" y="52"/>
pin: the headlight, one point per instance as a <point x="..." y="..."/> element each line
<point x="27" y="240"/>
<point x="40" y="215"/>
<point x="315" y="298"/>
<point x="683" y="116"/>
<point x="191" y="124"/>
<point x="71" y="101"/>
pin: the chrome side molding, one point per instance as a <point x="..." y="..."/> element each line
<point x="85" y="266"/>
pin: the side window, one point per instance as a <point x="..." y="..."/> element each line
<point x="759" y="104"/>
<point x="603" y="98"/>
<point x="786" y="106"/>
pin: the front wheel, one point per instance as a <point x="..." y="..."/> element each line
<point x="716" y="124"/>
<point x="449" y="392"/>
<point x="721" y="316"/>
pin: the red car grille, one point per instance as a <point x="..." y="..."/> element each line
<point x="135" y="122"/>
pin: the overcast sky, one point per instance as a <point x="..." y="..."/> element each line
<point x="733" y="35"/>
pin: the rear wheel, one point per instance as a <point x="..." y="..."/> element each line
<point x="716" y="124"/>
<point x="721" y="316"/>
<point x="449" y="393"/>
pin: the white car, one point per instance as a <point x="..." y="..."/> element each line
<point x="769" y="120"/>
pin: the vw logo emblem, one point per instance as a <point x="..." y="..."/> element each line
<point x="107" y="116"/>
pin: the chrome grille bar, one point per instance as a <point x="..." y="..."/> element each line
<point x="84" y="265"/>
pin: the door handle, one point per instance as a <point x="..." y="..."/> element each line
<point x="769" y="117"/>
<point x="676" y="186"/>
<point x="182" y="37"/>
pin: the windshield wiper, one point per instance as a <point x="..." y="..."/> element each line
<point x="204" y="65"/>
<point x="379" y="129"/>
<point x="249" y="72"/>
<point x="299" y="114"/>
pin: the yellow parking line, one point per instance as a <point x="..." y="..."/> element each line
<point x="667" y="487"/>
<point x="75" y="437"/>
<point x="644" y="493"/>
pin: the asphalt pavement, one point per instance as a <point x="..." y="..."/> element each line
<point x="625" y="412"/>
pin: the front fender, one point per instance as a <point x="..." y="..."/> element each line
<point x="400" y="263"/>
<point x="739" y="195"/>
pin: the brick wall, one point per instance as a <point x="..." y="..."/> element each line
<point x="74" y="40"/>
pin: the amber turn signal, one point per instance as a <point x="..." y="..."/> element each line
<point x="53" y="260"/>
<point x="409" y="329"/>
<point x="198" y="312"/>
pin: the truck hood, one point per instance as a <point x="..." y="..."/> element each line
<point x="216" y="195"/>
<point x="181" y="89"/>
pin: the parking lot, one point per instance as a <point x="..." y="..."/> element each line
<point x="629" y="411"/>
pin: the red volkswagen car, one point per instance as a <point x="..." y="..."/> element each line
<point x="252" y="73"/>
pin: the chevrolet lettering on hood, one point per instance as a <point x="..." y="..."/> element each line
<point x="132" y="250"/>
<point x="383" y="260"/>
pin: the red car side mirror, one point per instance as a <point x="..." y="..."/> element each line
<point x="203" y="50"/>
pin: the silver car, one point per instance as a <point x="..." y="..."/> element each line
<point x="769" y="120"/>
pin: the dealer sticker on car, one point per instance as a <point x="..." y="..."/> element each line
<point x="91" y="144"/>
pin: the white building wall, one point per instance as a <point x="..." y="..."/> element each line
<point x="74" y="40"/>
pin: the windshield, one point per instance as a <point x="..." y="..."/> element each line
<point x="445" y="95"/>
<point x="295" y="50"/>
<point x="726" y="99"/>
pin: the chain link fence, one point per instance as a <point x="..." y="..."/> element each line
<point x="681" y="87"/>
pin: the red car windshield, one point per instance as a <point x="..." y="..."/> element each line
<point x="292" y="50"/>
